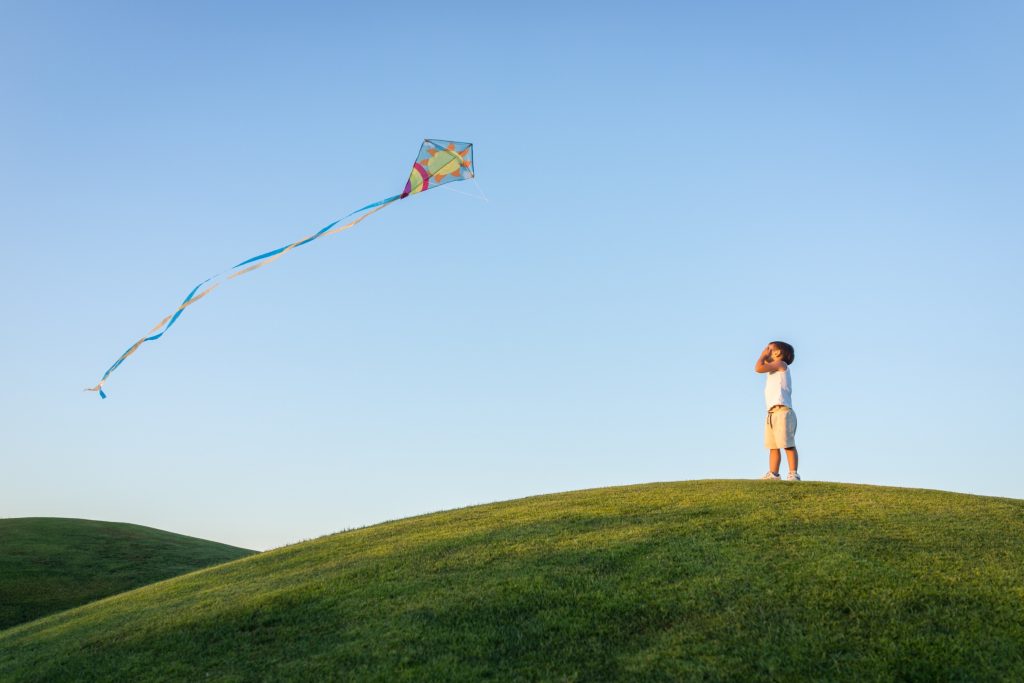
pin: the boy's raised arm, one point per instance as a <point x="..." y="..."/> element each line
<point x="765" y="364"/>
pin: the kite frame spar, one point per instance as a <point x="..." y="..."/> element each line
<point x="438" y="162"/>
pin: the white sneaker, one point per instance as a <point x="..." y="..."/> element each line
<point x="771" y="476"/>
<point x="792" y="476"/>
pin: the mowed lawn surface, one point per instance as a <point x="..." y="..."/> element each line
<point x="707" y="580"/>
<point x="49" y="564"/>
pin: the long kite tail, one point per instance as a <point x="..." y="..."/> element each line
<point x="238" y="270"/>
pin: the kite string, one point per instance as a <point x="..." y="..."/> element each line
<point x="257" y="262"/>
<point x="479" y="187"/>
<point x="482" y="196"/>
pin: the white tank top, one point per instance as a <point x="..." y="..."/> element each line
<point x="778" y="389"/>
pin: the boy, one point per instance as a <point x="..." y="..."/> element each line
<point x="780" y="425"/>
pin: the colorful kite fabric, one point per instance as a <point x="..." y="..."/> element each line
<point x="438" y="162"/>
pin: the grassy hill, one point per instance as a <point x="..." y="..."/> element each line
<point x="708" y="580"/>
<point x="49" y="564"/>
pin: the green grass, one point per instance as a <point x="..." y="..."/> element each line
<point x="50" y="564"/>
<point x="710" y="580"/>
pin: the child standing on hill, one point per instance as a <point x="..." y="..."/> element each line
<point x="780" y="425"/>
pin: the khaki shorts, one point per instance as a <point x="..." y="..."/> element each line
<point x="780" y="428"/>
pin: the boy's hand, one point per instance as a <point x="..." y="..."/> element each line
<point x="765" y="362"/>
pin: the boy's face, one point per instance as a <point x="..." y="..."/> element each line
<point x="774" y="351"/>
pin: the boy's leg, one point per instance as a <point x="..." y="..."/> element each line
<point x="792" y="457"/>
<point x="775" y="459"/>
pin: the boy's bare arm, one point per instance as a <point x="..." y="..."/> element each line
<point x="766" y="364"/>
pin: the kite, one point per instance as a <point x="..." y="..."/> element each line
<point x="438" y="162"/>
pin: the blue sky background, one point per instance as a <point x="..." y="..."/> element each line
<point x="670" y="185"/>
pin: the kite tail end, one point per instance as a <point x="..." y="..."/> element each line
<point x="99" y="388"/>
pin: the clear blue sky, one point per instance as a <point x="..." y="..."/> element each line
<point x="670" y="185"/>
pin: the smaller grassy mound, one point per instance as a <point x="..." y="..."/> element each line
<point x="50" y="564"/>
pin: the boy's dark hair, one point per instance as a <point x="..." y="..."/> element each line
<point x="787" y="351"/>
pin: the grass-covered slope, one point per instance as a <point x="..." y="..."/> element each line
<point x="49" y="564"/>
<point x="712" y="580"/>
